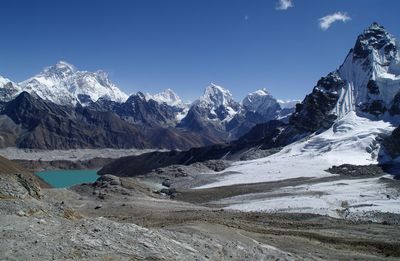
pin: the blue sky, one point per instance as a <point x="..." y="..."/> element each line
<point x="151" y="45"/>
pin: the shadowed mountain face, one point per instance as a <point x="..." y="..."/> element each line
<point x="392" y="143"/>
<point x="262" y="137"/>
<point x="138" y="110"/>
<point x="36" y="123"/>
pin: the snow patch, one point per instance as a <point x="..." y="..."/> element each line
<point x="342" y="198"/>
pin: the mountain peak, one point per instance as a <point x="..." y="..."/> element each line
<point x="60" y="70"/>
<point x="102" y="74"/>
<point x="375" y="26"/>
<point x="140" y="95"/>
<point x="261" y="92"/>
<point x="375" y="37"/>
<point x="63" y="64"/>
<point x="368" y="80"/>
<point x="168" y="97"/>
<point x="8" y="89"/>
<point x="4" y="81"/>
<point x="61" y="67"/>
<point x="213" y="86"/>
<point x="261" y="102"/>
<point x="217" y="95"/>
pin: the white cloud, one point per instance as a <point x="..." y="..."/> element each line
<point x="326" y="21"/>
<point x="284" y="4"/>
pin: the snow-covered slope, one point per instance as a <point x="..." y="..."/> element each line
<point x="351" y="140"/>
<point x="355" y="199"/>
<point x="64" y="84"/>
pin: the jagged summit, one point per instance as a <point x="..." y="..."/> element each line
<point x="375" y="37"/>
<point x="61" y="69"/>
<point x="369" y="77"/>
<point x="217" y="96"/>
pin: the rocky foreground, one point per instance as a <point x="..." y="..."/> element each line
<point x="135" y="219"/>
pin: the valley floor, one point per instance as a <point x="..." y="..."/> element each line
<point x="124" y="219"/>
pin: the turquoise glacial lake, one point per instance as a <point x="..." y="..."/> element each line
<point x="68" y="178"/>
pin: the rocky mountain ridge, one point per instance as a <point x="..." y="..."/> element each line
<point x="62" y="91"/>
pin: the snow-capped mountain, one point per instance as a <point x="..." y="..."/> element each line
<point x="218" y="103"/>
<point x="64" y="84"/>
<point x="168" y="97"/>
<point x="367" y="85"/>
<point x="3" y="81"/>
<point x="262" y="103"/>
<point x="8" y="89"/>
<point x="216" y="96"/>
<point x="217" y="112"/>
<point x="211" y="112"/>
<point x="371" y="75"/>
<point x="365" y="91"/>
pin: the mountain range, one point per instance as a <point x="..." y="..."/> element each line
<point x="63" y="107"/>
<point x="350" y="115"/>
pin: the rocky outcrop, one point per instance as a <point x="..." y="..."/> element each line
<point x="355" y="171"/>
<point x="392" y="143"/>
<point x="16" y="182"/>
